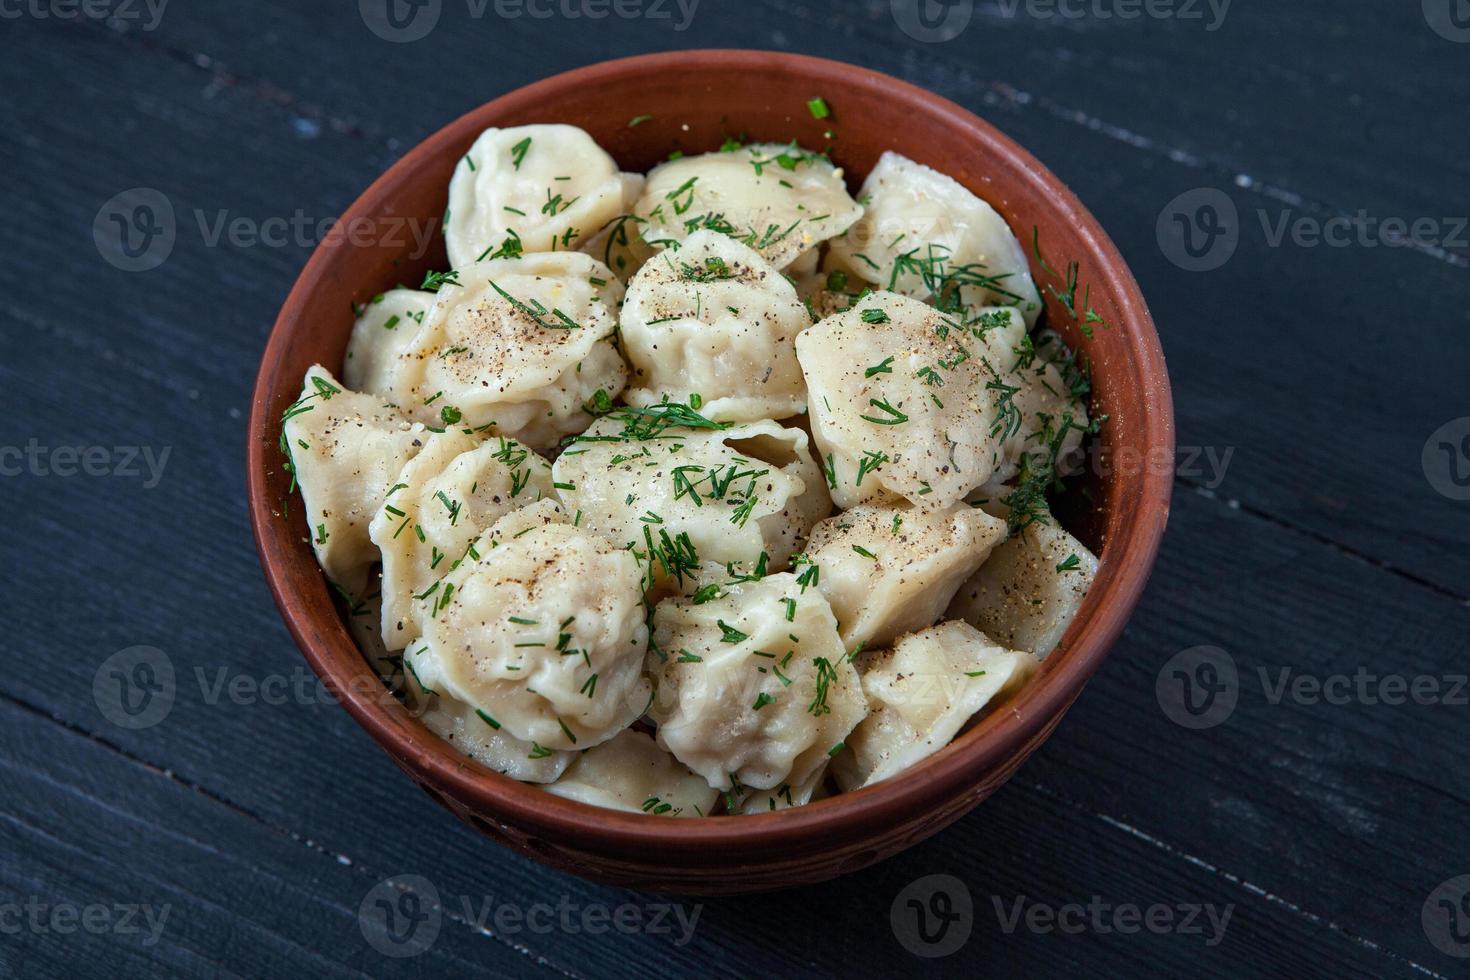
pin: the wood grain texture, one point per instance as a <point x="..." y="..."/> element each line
<point x="1324" y="549"/>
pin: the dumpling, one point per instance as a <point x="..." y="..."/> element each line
<point x="923" y="233"/>
<point x="783" y="797"/>
<point x="804" y="265"/>
<point x="540" y="188"/>
<point x="384" y="330"/>
<point x="689" y="501"/>
<point x="364" y="622"/>
<point x="544" y="632"/>
<point x="452" y="720"/>
<point x="483" y="739"/>
<point x="892" y="570"/>
<point x="829" y="289"/>
<point x="345" y="449"/>
<point x="920" y="694"/>
<point x="907" y="402"/>
<point x="1029" y="590"/>
<point x="753" y="685"/>
<point x="632" y="773"/>
<point x="1050" y="409"/>
<point x="518" y="345"/>
<point x="619" y="244"/>
<point x="779" y="199"/>
<point x="445" y="498"/>
<point x="715" y="319"/>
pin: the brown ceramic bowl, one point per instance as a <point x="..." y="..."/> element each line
<point x="696" y="99"/>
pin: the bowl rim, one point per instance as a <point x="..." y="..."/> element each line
<point x="1127" y="560"/>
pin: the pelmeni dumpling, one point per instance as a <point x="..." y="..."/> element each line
<point x="920" y="694"/>
<point x="829" y="290"/>
<point x="544" y="632"/>
<point x="753" y="685"/>
<point x="384" y="330"/>
<point x="445" y="498"/>
<point x="476" y="734"/>
<point x="365" y="623"/>
<point x="674" y="562"/>
<point x="785" y="796"/>
<point x="1050" y="409"/>
<point x="520" y="345"/>
<point x="923" y="230"/>
<point x="713" y="318"/>
<point x="892" y="570"/>
<point x="630" y="772"/>
<point x="1029" y="590"/>
<point x="906" y="401"/>
<point x="454" y="721"/>
<point x="779" y="199"/>
<point x="692" y="501"/>
<point x="345" y="449"/>
<point x="619" y="243"/>
<point x="804" y="265"/>
<point x="543" y="188"/>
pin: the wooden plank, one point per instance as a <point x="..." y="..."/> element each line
<point x="1296" y="795"/>
<point x="228" y="893"/>
<point x="1235" y="100"/>
<point x="186" y="885"/>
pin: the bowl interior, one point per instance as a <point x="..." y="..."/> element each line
<point x="696" y="100"/>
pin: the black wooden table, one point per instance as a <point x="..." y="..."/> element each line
<point x="1289" y="183"/>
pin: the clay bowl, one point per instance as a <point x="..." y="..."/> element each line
<point x="696" y="99"/>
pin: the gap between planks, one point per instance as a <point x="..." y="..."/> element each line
<point x="1346" y="551"/>
<point x="311" y="845"/>
<point x="1234" y="879"/>
<point x="1111" y="822"/>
